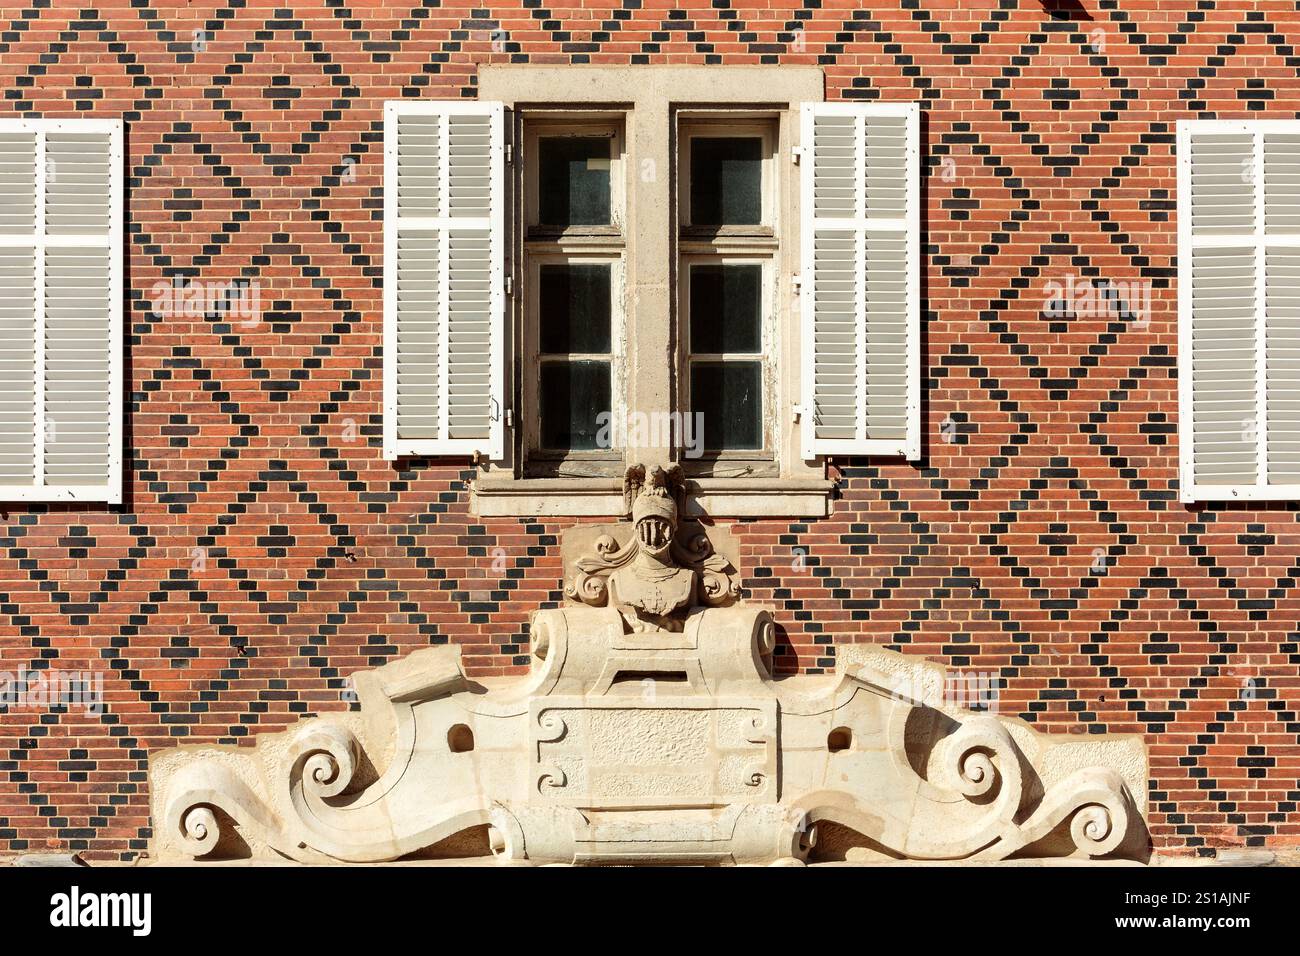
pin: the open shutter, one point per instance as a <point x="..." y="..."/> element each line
<point x="860" y="280"/>
<point x="1239" y="309"/>
<point x="60" y="310"/>
<point x="444" y="267"/>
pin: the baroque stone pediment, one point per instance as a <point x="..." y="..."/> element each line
<point x="651" y="729"/>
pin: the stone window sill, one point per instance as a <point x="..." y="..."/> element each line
<point x="506" y="496"/>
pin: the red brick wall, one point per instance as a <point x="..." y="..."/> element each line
<point x="1047" y="437"/>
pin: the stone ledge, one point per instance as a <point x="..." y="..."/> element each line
<point x="506" y="496"/>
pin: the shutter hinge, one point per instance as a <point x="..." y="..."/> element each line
<point x="510" y="154"/>
<point x="510" y="418"/>
<point x="796" y="282"/>
<point x="797" y="412"/>
<point x="796" y="154"/>
<point x="510" y="285"/>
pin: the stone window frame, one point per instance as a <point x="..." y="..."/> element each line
<point x="649" y="98"/>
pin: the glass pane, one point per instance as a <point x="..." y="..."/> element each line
<point x="574" y="307"/>
<point x="726" y="181"/>
<point x="726" y="308"/>
<point x="575" y="404"/>
<point x="573" y="180"/>
<point x="729" y="396"/>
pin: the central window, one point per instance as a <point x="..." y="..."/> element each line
<point x="587" y="269"/>
<point x="725" y="260"/>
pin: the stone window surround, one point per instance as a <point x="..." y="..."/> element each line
<point x="650" y="97"/>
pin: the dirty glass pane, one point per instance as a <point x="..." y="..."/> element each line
<point x="729" y="396"/>
<point x="574" y="394"/>
<point x="726" y="307"/>
<point x="573" y="180"/>
<point x="726" y="180"/>
<point x="574" y="307"/>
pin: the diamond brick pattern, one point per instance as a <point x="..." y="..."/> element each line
<point x="265" y="549"/>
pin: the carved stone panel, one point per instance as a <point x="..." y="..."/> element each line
<point x="629" y="753"/>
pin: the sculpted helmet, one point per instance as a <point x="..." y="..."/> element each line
<point x="654" y="512"/>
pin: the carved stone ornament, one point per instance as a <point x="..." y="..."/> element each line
<point x="651" y="730"/>
<point x="662" y="571"/>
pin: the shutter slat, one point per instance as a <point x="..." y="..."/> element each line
<point x="18" y="374"/>
<point x="17" y="183"/>
<point x="1222" y="194"/>
<point x="444" y="289"/>
<point x="78" y="360"/>
<point x="1282" y="337"/>
<point x="1282" y="182"/>
<point x="861" y="313"/>
<point x="1223" y="364"/>
<point x="77" y="177"/>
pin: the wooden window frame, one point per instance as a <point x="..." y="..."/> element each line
<point x="760" y="243"/>
<point x="695" y="124"/>
<point x="542" y="245"/>
<point x="759" y="459"/>
<point x="579" y="462"/>
<point x="558" y="125"/>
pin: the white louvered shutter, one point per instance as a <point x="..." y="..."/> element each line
<point x="860" y="279"/>
<point x="444" y="267"/>
<point x="60" y="310"/>
<point x="1239" y="309"/>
